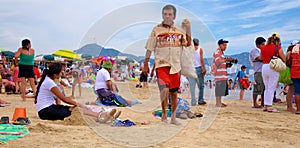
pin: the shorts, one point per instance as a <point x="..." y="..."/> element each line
<point x="167" y="80"/>
<point x="26" y="71"/>
<point x="55" y="112"/>
<point x="296" y="82"/>
<point x="143" y="77"/>
<point x="221" y="88"/>
<point x="259" y="86"/>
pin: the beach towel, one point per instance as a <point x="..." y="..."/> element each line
<point x="12" y="132"/>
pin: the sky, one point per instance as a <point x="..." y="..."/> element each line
<point x="126" y="24"/>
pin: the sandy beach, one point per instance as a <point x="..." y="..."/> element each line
<point x="237" y="125"/>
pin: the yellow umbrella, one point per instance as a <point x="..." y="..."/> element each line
<point x="66" y="53"/>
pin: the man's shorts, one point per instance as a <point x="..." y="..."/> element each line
<point x="143" y="77"/>
<point x="167" y="80"/>
<point x="259" y="86"/>
<point x="296" y="82"/>
<point x="221" y="88"/>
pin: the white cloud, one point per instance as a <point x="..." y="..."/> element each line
<point x="272" y="7"/>
<point x="245" y="26"/>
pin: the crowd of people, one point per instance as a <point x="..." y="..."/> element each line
<point x="165" y="41"/>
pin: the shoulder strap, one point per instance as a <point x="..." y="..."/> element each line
<point x="276" y="52"/>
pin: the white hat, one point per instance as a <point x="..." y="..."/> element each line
<point x="294" y="42"/>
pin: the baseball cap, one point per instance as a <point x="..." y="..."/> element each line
<point x="222" y="41"/>
<point x="196" y="41"/>
<point x="243" y="66"/>
<point x="295" y="42"/>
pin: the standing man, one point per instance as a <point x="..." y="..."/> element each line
<point x="221" y="76"/>
<point x="166" y="40"/>
<point x="256" y="60"/>
<point x="200" y="70"/>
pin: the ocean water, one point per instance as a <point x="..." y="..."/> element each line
<point x="233" y="94"/>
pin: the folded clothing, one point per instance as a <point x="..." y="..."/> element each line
<point x="125" y="123"/>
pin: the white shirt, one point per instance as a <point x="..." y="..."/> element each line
<point x="101" y="78"/>
<point x="45" y="96"/>
<point x="197" y="62"/>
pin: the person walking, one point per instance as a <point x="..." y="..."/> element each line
<point x="166" y="41"/>
<point x="240" y="75"/>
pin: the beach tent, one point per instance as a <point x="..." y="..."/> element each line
<point x="66" y="53"/>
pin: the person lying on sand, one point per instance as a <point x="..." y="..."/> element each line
<point x="103" y="116"/>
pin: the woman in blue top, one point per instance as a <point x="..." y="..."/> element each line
<point x="26" y="62"/>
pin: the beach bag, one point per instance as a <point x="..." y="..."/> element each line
<point x="245" y="82"/>
<point x="276" y="63"/>
<point x="187" y="62"/>
<point x="75" y="74"/>
<point x="284" y="77"/>
<point x="187" y="57"/>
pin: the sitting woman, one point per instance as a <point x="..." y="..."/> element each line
<point x="47" y="107"/>
<point x="105" y="91"/>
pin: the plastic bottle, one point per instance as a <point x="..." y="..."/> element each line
<point x="3" y="89"/>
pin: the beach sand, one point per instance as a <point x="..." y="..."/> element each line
<point x="237" y="125"/>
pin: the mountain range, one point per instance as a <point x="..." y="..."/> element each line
<point x="97" y="50"/>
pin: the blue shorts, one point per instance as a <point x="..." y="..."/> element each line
<point x="296" y="82"/>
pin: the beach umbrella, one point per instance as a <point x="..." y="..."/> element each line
<point x="2" y="49"/>
<point x="48" y="57"/>
<point x="66" y="53"/>
<point x="38" y="58"/>
<point x="8" y="54"/>
<point x="86" y="56"/>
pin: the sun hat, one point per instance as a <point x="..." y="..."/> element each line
<point x="295" y="42"/>
<point x="275" y="34"/>
<point x="107" y="64"/>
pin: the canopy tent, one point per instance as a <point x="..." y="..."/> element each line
<point x="66" y="53"/>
